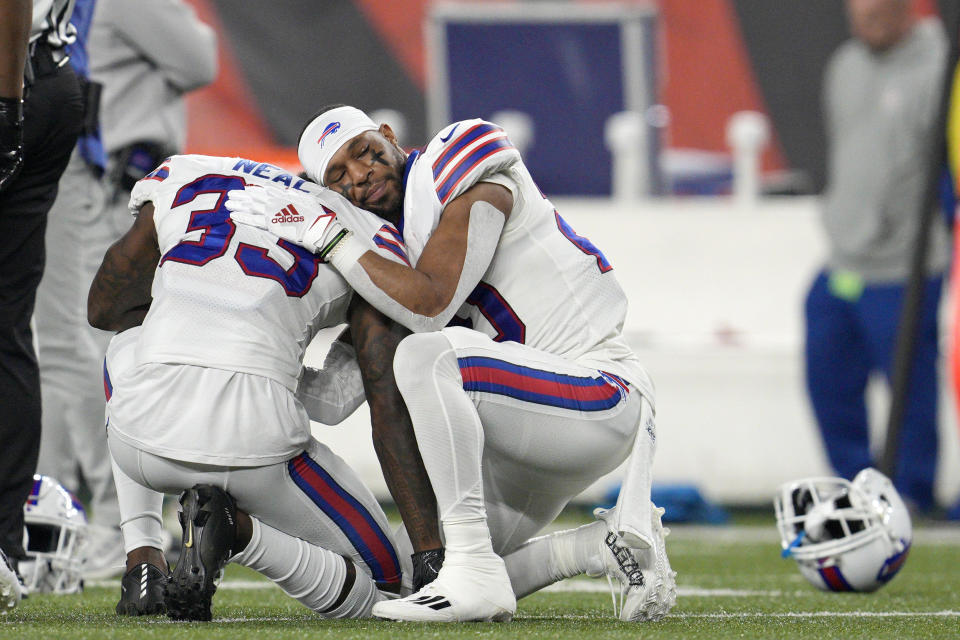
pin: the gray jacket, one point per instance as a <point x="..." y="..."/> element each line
<point x="880" y="111"/>
<point x="148" y="55"/>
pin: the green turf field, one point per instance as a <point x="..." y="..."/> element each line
<point x="732" y="582"/>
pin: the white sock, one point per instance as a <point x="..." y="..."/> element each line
<point x="313" y="576"/>
<point x="547" y="559"/>
<point x="447" y="426"/>
<point x="470" y="537"/>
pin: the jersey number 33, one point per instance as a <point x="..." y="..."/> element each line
<point x="217" y="230"/>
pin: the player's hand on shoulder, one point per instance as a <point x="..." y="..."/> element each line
<point x="289" y="214"/>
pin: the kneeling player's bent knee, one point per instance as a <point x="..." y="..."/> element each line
<point x="421" y="356"/>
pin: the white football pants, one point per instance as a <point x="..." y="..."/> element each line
<point x="314" y="496"/>
<point x="508" y="432"/>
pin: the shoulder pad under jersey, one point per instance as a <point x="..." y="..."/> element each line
<point x="178" y="169"/>
<point x="464" y="153"/>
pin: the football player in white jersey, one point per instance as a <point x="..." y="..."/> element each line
<point x="206" y="397"/>
<point x="520" y="385"/>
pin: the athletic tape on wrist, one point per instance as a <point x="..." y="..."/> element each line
<point x="347" y="252"/>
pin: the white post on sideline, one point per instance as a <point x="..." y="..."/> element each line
<point x="625" y="136"/>
<point x="518" y="126"/>
<point x="748" y="133"/>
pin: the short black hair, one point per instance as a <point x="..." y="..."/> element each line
<point x="316" y="115"/>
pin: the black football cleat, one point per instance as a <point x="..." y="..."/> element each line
<point x="426" y="566"/>
<point x="141" y="591"/>
<point x="208" y="517"/>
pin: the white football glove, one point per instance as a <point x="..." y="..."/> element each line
<point x="289" y="214"/>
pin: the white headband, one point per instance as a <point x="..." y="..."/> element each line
<point x="326" y="134"/>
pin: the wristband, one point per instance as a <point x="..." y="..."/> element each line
<point x="346" y="252"/>
<point x="331" y="247"/>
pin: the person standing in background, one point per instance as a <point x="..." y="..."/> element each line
<point x="64" y="348"/>
<point x="881" y="93"/>
<point x="41" y="114"/>
<point x="146" y="57"/>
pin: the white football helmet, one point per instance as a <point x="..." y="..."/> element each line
<point x="54" y="532"/>
<point x="845" y="536"/>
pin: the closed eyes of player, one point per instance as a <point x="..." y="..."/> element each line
<point x="339" y="173"/>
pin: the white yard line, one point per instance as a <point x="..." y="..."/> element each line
<point x="682" y="616"/>
<point x="934" y="534"/>
<point x="566" y="586"/>
<point x="600" y="586"/>
<point x="794" y="615"/>
<point x="218" y="620"/>
<point x="826" y="614"/>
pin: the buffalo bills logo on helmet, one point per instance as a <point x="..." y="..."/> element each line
<point x="330" y="129"/>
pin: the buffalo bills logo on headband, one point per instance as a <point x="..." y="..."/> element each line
<point x="330" y="129"/>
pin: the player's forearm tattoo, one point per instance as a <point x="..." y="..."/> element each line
<point x="375" y="339"/>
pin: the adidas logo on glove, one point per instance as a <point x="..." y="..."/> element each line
<point x="287" y="214"/>
<point x="278" y="211"/>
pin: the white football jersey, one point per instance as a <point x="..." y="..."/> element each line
<point x="547" y="287"/>
<point x="234" y="308"/>
<point x="231" y="296"/>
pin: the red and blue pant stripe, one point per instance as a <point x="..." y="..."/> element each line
<point x="349" y="515"/>
<point x="579" y="393"/>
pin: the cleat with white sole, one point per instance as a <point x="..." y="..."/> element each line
<point x="648" y="587"/>
<point x="468" y="588"/>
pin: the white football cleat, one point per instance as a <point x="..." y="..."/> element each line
<point x="469" y="588"/>
<point x="9" y="586"/>
<point x="648" y="587"/>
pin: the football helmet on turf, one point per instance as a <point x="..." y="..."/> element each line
<point x="54" y="532"/>
<point x="845" y="536"/>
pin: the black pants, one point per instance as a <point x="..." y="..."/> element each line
<point x="53" y="116"/>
